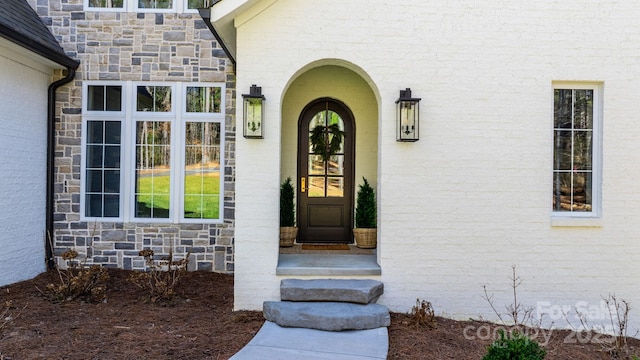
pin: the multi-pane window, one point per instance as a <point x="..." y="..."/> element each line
<point x="106" y="4"/>
<point x="201" y="170"/>
<point x="174" y="152"/>
<point x="102" y="174"/>
<point x="576" y="122"/>
<point x="153" y="169"/>
<point x="146" y="5"/>
<point x="326" y="155"/>
<point x="155" y="4"/>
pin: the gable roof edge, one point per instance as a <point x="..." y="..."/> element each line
<point x="220" y="19"/>
<point x="38" y="48"/>
<point x="21" y="25"/>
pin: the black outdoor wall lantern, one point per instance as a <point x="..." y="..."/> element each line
<point x="253" y="113"/>
<point x="407" y="116"/>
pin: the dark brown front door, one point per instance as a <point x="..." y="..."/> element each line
<point x="325" y="172"/>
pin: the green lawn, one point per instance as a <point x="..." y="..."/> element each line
<point x="201" y="197"/>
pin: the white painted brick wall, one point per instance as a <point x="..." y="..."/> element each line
<point x="23" y="135"/>
<point x="472" y="197"/>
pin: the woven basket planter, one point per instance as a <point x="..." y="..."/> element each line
<point x="288" y="236"/>
<point x="366" y="238"/>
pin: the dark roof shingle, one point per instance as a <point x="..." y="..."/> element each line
<point x="20" y="24"/>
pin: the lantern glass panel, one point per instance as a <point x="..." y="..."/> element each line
<point x="253" y="114"/>
<point x="407" y="120"/>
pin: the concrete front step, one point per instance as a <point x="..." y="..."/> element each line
<point x="354" y="291"/>
<point x="275" y="342"/>
<point x="329" y="316"/>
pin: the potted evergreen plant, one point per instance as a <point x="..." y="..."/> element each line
<point x="288" y="229"/>
<point x="365" y="231"/>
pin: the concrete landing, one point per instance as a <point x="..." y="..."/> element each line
<point x="274" y="342"/>
<point x="353" y="291"/>
<point x="329" y="316"/>
<point x="326" y="264"/>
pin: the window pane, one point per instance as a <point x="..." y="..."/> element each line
<point x="112" y="157"/>
<point x="94" y="156"/>
<point x="93" y="205"/>
<point x="316" y="165"/>
<point x="203" y="99"/>
<point x="153" y="156"/>
<point x="335" y="187"/>
<point x="583" y="111"/>
<point x="106" y="3"/>
<point x="318" y="119"/>
<point x="112" y="132"/>
<point x="582" y="143"/>
<point x="112" y="181"/>
<point x="316" y="186"/>
<point x="336" y="125"/>
<point x="582" y="191"/>
<point x="154" y="98"/>
<point x="562" y="191"/>
<point x="95" y="98"/>
<point x="562" y="155"/>
<point x="104" y="98"/>
<point x="94" y="181"/>
<point x="335" y="165"/>
<point x="111" y="205"/>
<point x="94" y="132"/>
<point x="102" y="174"/>
<point x="202" y="170"/>
<point x="155" y="4"/>
<point x="563" y="101"/>
<point x="114" y="98"/>
<point x="197" y="4"/>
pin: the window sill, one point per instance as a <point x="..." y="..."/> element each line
<point x="576" y="222"/>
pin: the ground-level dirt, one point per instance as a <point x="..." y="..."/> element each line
<point x="200" y="324"/>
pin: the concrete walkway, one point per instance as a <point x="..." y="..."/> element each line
<point x="274" y="342"/>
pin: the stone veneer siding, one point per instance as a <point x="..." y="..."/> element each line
<point x="137" y="47"/>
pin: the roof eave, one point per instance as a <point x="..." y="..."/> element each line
<point x="225" y="34"/>
<point x="37" y="48"/>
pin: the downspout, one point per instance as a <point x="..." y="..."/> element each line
<point x="51" y="147"/>
<point x="205" y="14"/>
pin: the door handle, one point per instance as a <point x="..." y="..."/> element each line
<point x="303" y="184"/>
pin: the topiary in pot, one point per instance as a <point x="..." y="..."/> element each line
<point x="365" y="232"/>
<point x="288" y="229"/>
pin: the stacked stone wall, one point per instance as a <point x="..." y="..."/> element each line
<point x="137" y="47"/>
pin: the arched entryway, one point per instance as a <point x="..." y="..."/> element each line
<point x="326" y="163"/>
<point x="346" y="97"/>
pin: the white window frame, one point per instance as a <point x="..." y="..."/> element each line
<point x="179" y="6"/>
<point x="200" y="117"/>
<point x="128" y="117"/>
<point x="89" y="115"/>
<point x="582" y="218"/>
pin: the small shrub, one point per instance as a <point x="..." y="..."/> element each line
<point x="287" y="207"/>
<point x="365" y="206"/>
<point x="77" y="281"/>
<point x="515" y="346"/>
<point x="161" y="277"/>
<point x="423" y="315"/>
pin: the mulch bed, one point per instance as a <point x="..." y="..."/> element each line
<point x="199" y="324"/>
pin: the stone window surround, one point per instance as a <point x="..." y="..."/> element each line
<point x="128" y="116"/>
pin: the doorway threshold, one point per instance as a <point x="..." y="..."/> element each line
<point x="327" y="264"/>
